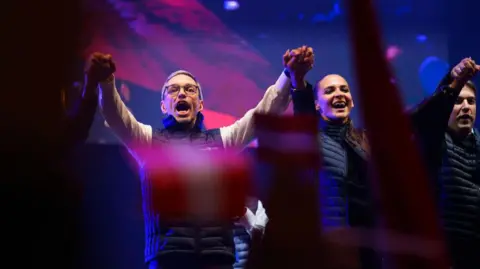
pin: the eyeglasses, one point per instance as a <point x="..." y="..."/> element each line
<point x="174" y="89"/>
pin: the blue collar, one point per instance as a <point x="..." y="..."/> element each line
<point x="171" y="124"/>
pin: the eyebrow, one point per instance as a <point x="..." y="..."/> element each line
<point x="333" y="86"/>
<point x="176" y="84"/>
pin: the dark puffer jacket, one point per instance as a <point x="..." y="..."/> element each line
<point x="347" y="195"/>
<point x="453" y="164"/>
<point x="345" y="192"/>
<point x="177" y="242"/>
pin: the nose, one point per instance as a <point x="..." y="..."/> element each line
<point x="181" y="93"/>
<point x="465" y="106"/>
<point x="338" y="93"/>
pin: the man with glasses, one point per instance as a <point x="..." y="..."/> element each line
<point x="188" y="245"/>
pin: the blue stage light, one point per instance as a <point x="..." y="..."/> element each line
<point x="431" y="71"/>
<point x="330" y="15"/>
<point x="231" y="5"/>
<point x="421" y="38"/>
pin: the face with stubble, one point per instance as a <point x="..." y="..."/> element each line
<point x="334" y="100"/>
<point x="464" y="112"/>
<point x="181" y="99"/>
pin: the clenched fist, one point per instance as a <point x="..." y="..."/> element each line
<point x="465" y="70"/>
<point x="298" y="62"/>
<point x="99" y="67"/>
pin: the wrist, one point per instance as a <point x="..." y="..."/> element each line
<point x="298" y="83"/>
<point x="89" y="89"/>
<point x="90" y="84"/>
<point x="109" y="79"/>
<point x="458" y="84"/>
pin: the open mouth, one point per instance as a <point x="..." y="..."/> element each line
<point x="465" y="117"/>
<point x="182" y="108"/>
<point x="339" y="104"/>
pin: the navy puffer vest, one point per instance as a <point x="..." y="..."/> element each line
<point x="459" y="199"/>
<point x="345" y="192"/>
<point x="346" y="197"/>
<point x="168" y="243"/>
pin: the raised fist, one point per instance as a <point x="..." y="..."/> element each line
<point x="465" y="70"/>
<point x="99" y="67"/>
<point x="299" y="61"/>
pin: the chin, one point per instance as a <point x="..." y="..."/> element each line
<point x="184" y="119"/>
<point x="464" y="127"/>
<point x="340" y="116"/>
<point x="462" y="124"/>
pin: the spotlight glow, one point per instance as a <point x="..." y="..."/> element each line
<point x="231" y="5"/>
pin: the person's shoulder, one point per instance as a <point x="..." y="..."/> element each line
<point x="476" y="134"/>
<point x="214" y="131"/>
<point x="359" y="132"/>
<point x="158" y="129"/>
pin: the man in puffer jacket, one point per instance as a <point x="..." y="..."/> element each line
<point x="451" y="146"/>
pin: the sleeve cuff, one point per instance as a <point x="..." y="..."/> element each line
<point x="305" y="83"/>
<point x="447" y="90"/>
<point x="283" y="83"/>
<point x="247" y="220"/>
<point x="108" y="82"/>
<point x="261" y="218"/>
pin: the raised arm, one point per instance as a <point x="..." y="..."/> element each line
<point x="304" y="100"/>
<point x="431" y="116"/>
<point x="120" y="119"/>
<point x="274" y="101"/>
<point x="433" y="112"/>
<point x="79" y="118"/>
<point x="101" y="67"/>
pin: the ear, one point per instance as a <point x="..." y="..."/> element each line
<point x="317" y="106"/>
<point x="352" y="103"/>
<point x="163" y="108"/>
<point x="200" y="105"/>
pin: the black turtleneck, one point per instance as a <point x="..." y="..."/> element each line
<point x="335" y="130"/>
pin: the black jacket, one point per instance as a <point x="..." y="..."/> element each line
<point x="172" y="243"/>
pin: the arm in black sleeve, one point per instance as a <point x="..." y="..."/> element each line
<point x="304" y="101"/>
<point x="430" y="122"/>
<point x="79" y="119"/>
<point x="433" y="113"/>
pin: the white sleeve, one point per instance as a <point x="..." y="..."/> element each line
<point x="120" y="119"/>
<point x="275" y="101"/>
<point x="257" y="221"/>
<point x="261" y="218"/>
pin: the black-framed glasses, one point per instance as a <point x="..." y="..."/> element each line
<point x="174" y="89"/>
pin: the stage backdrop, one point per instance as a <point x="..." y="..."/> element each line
<point x="235" y="50"/>
<point x="236" y="53"/>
